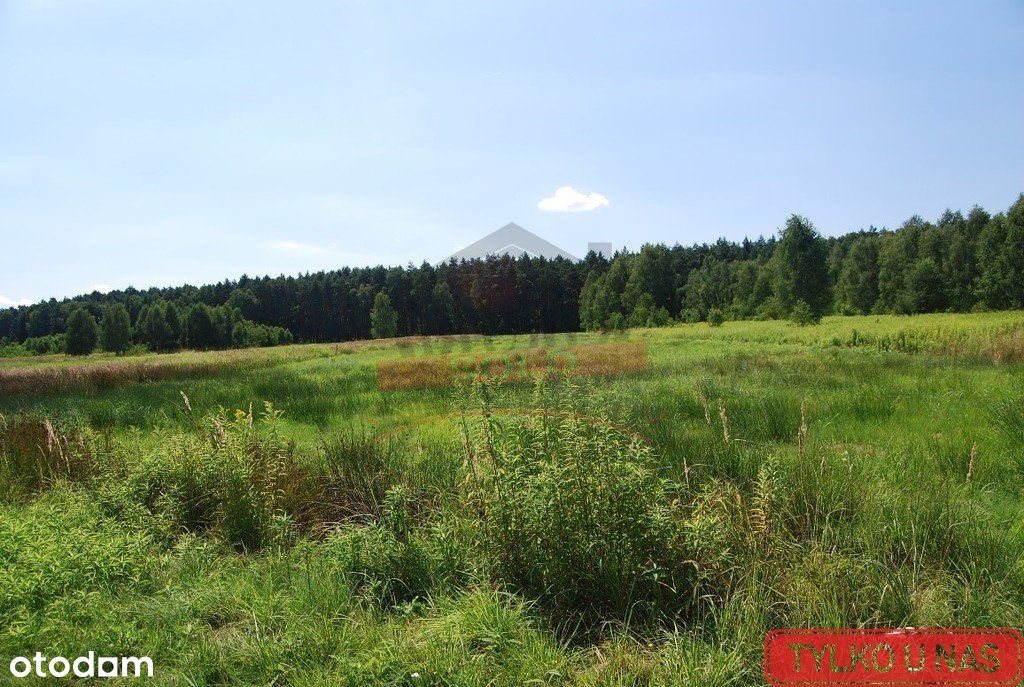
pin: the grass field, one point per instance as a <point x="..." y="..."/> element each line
<point x="272" y="517"/>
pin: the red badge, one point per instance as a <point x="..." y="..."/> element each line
<point x="908" y="656"/>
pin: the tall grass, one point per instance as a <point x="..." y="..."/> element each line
<point x="995" y="337"/>
<point x="36" y="451"/>
<point x="227" y="476"/>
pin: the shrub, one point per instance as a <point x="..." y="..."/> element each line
<point x="574" y="514"/>
<point x="45" y="345"/>
<point x="716" y="317"/>
<point x="802" y="315"/>
<point x="247" y="334"/>
<point x="230" y="476"/>
<point x="385" y="568"/>
<point x="616" y="322"/>
<point x="690" y="316"/>
<point x="659" y="318"/>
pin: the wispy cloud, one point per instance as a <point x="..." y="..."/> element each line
<point x="297" y="247"/>
<point x="6" y="302"/>
<point x="568" y="199"/>
<point x="324" y="256"/>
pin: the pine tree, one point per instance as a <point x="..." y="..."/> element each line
<point x="81" y="333"/>
<point x="116" y="329"/>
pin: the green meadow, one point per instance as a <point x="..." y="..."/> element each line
<point x="272" y="517"/>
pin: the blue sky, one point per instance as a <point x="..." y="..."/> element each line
<point x="157" y="143"/>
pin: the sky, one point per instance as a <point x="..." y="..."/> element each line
<point x="151" y="143"/>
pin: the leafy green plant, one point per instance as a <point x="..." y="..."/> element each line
<point x="229" y="475"/>
<point x="574" y="513"/>
<point x="802" y="315"/>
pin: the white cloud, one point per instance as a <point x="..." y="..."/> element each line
<point x="102" y="288"/>
<point x="6" y="302"/>
<point x="568" y="199"/>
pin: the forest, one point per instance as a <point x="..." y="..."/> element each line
<point x="958" y="263"/>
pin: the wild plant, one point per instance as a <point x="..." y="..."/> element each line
<point x="234" y="475"/>
<point x="36" y="451"/>
<point x="357" y="473"/>
<point x="572" y="510"/>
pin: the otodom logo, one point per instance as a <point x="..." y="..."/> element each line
<point x="907" y="656"/>
<point x="88" y="666"/>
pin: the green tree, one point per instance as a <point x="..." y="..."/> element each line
<point x="643" y="312"/>
<point x="925" y="288"/>
<point x="245" y="302"/>
<point x="857" y="290"/>
<point x="750" y="288"/>
<point x="896" y="258"/>
<point x="650" y="272"/>
<point x="616" y="322"/>
<point x="800" y="267"/>
<point x="709" y="286"/>
<point x="175" y="325"/>
<point x="224" y="318"/>
<point x="960" y="267"/>
<point x="995" y="278"/>
<point x="441" y="318"/>
<point x="116" y="329"/>
<point x="82" y="332"/>
<point x="200" y="332"/>
<point x="1013" y="251"/>
<point x="154" y="329"/>
<point x="599" y="303"/>
<point x="383" y="318"/>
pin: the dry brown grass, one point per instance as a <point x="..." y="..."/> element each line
<point x="1008" y="347"/>
<point x="35" y="451"/>
<point x="106" y="373"/>
<point x="513" y="366"/>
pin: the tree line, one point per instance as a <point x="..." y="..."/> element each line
<point x="957" y="263"/>
<point x="159" y="326"/>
